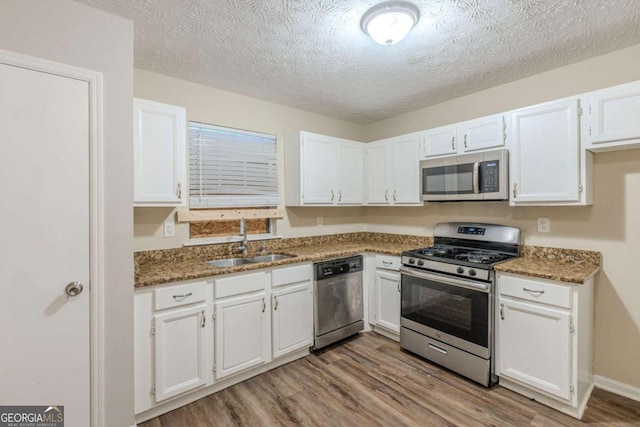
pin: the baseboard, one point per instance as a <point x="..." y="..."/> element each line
<point x="385" y="333"/>
<point x="617" y="387"/>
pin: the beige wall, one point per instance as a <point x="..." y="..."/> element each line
<point x="209" y="105"/>
<point x="611" y="225"/>
<point x="74" y="34"/>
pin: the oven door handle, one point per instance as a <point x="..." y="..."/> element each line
<point x="482" y="287"/>
<point x="476" y="178"/>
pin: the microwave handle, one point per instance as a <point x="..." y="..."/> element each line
<point x="476" y="178"/>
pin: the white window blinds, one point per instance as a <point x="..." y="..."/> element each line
<point x="231" y="168"/>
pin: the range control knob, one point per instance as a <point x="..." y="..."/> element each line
<point x="460" y="270"/>
<point x="412" y="261"/>
<point x="420" y="262"/>
<point x="472" y="272"/>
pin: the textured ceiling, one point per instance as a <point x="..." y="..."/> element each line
<point x="312" y="55"/>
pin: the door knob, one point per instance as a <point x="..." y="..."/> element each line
<point x="73" y="289"/>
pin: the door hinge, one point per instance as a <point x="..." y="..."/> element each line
<point x="214" y="313"/>
<point x="580" y="188"/>
<point x="153" y="328"/>
<point x="589" y="130"/>
<point x="571" y="388"/>
<point x="579" y="111"/>
<point x="153" y="390"/>
<point x="589" y="109"/>
<point x="571" y="327"/>
<point x="215" y="368"/>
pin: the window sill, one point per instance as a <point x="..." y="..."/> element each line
<point x="229" y="239"/>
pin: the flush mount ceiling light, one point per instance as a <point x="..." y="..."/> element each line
<point x="389" y="22"/>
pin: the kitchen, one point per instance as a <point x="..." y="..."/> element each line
<point x="607" y="226"/>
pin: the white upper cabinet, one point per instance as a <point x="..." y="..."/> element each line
<point x="349" y="182"/>
<point x="614" y="118"/>
<point x="440" y="141"/>
<point x="473" y="135"/>
<point x="159" y="154"/>
<point x="393" y="171"/>
<point x="483" y="133"/>
<point x="318" y="164"/>
<point x="546" y="164"/>
<point x="330" y="171"/>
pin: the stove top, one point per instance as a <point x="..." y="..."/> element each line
<point x="466" y="249"/>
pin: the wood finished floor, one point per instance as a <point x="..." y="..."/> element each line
<point x="370" y="381"/>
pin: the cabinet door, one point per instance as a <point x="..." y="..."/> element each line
<point x="378" y="173"/>
<point x="483" y="133"/>
<point x="440" y="141"/>
<point x="159" y="154"/>
<point x="181" y="352"/>
<point x="534" y="346"/>
<point x="241" y="334"/>
<point x="388" y="300"/>
<point x="545" y="154"/>
<point x="406" y="169"/>
<point x="318" y="168"/>
<point x="615" y="114"/>
<point x="292" y="320"/>
<point x="350" y="173"/>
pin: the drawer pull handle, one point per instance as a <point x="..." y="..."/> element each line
<point x="399" y="287"/>
<point x="387" y="262"/>
<point x="533" y="291"/>
<point x="275" y="298"/>
<point x="183" y="295"/>
<point x="502" y="311"/>
<point x="204" y="319"/>
<point x="438" y="349"/>
<point x="264" y="305"/>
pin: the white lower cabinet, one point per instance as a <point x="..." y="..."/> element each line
<point x="544" y="340"/>
<point x="180" y="349"/>
<point x="242" y="331"/>
<point x="292" y="321"/>
<point x="386" y="297"/>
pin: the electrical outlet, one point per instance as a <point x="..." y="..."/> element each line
<point x="544" y="225"/>
<point x="319" y="222"/>
<point x="169" y="228"/>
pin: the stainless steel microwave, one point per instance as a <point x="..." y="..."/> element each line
<point x="475" y="176"/>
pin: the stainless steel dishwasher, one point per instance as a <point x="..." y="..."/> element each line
<point x="337" y="305"/>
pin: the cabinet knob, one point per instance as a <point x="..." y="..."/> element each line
<point x="74" y="289"/>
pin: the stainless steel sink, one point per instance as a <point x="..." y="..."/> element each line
<point x="229" y="262"/>
<point x="269" y="257"/>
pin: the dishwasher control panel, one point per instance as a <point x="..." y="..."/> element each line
<point x="336" y="267"/>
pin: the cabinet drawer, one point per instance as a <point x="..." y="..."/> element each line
<point x="388" y="262"/>
<point x="535" y="290"/>
<point x="290" y="275"/>
<point x="176" y="296"/>
<point x="240" y="284"/>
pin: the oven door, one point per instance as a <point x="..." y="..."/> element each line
<point x="452" y="310"/>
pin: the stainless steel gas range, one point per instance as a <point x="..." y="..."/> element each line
<point x="447" y="301"/>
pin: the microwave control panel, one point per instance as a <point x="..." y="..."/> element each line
<point x="491" y="176"/>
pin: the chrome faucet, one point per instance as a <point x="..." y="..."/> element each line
<point x="243" y="233"/>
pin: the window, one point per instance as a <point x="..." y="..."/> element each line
<point x="231" y="168"/>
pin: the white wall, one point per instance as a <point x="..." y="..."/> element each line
<point x="611" y="226"/>
<point x="74" y="34"/>
<point x="218" y="107"/>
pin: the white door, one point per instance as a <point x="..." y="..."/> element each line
<point x="318" y="168"/>
<point x="44" y="147"/>
<point x="406" y="169"/>
<point x="615" y="114"/>
<point x="242" y="334"/>
<point x="534" y="345"/>
<point x="440" y="141"/>
<point x="483" y="133"/>
<point x="378" y="168"/>
<point x="350" y="173"/>
<point x="181" y="352"/>
<point x="292" y="321"/>
<point x="388" y="300"/>
<point x="159" y="134"/>
<point x="545" y="155"/>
